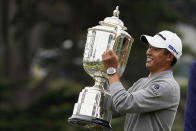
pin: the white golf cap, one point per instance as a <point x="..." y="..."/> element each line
<point x="165" y="39"/>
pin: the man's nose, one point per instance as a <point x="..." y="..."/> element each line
<point x="149" y="51"/>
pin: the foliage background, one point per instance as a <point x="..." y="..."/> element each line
<point x="41" y="50"/>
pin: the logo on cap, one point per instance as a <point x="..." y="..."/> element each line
<point x="173" y="49"/>
<point x="162" y="36"/>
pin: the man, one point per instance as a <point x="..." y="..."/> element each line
<point x="151" y="103"/>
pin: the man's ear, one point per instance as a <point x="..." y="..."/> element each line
<point x="170" y="57"/>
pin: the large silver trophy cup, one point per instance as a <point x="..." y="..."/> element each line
<point x="93" y="109"/>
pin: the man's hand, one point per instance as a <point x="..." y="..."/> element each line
<point x="110" y="59"/>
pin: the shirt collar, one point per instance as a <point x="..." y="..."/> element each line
<point x="161" y="73"/>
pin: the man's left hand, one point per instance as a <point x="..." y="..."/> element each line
<point x="110" y="59"/>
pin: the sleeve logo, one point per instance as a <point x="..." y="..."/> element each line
<point x="155" y="89"/>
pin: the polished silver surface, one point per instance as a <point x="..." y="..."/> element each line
<point x="95" y="102"/>
<point x="100" y="41"/>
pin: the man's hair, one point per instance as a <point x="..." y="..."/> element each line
<point x="174" y="58"/>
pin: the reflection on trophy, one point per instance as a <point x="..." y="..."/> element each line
<point x="93" y="109"/>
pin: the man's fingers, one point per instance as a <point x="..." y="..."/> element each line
<point x="109" y="59"/>
<point x="110" y="52"/>
<point x="104" y="53"/>
<point x="108" y="55"/>
<point x="103" y="56"/>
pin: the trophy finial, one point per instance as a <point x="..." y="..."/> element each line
<point x="114" y="20"/>
<point x="116" y="12"/>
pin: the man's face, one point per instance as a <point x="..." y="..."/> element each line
<point x="156" y="59"/>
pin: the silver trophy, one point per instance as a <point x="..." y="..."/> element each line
<point x="93" y="109"/>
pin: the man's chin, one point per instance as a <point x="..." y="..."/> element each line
<point x="148" y="65"/>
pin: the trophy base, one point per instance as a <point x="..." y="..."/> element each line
<point x="89" y="122"/>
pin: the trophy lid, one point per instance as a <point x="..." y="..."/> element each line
<point x="114" y="20"/>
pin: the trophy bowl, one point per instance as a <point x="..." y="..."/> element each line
<point x="93" y="109"/>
